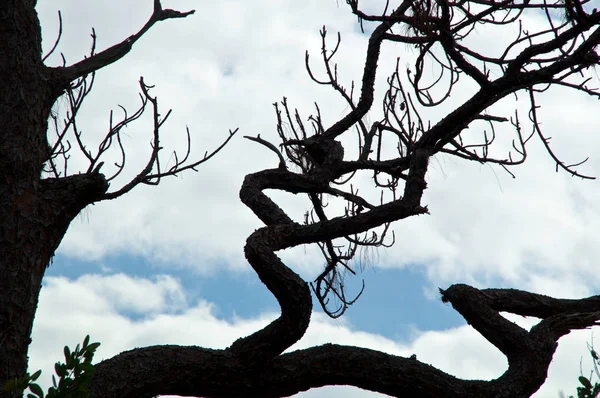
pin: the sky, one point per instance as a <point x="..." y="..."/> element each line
<point x="164" y="264"/>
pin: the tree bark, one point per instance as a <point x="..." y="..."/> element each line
<point x="35" y="213"/>
<point x="27" y="239"/>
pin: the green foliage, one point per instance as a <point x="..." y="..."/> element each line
<point x="74" y="375"/>
<point x="587" y="390"/>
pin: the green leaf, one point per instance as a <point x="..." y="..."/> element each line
<point x="37" y="390"/>
<point x="92" y="347"/>
<point x="86" y="341"/>
<point x="53" y="381"/>
<point x="67" y="352"/>
<point x="66" y="383"/>
<point x="31" y="396"/>
<point x="585" y="382"/>
<point x="35" y="376"/>
<point x="594" y="354"/>
<point x="70" y="362"/>
<point x="61" y="369"/>
<point x="10" y="384"/>
<point x="23" y="379"/>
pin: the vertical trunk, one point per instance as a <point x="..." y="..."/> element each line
<point x="24" y="250"/>
<point x="34" y="218"/>
<point x="35" y="213"/>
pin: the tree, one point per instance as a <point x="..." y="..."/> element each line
<point x="38" y="208"/>
<point x="39" y="198"/>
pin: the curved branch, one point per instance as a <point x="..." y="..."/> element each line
<point x="272" y="147"/>
<point x="255" y="365"/>
<point x="58" y="36"/>
<point x="196" y="371"/>
<point x="64" y="75"/>
<point x="151" y="174"/>
<point x="368" y="80"/>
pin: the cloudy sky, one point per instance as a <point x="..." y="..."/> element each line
<point x="165" y="265"/>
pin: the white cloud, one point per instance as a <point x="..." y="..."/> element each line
<point x="97" y="305"/>
<point x="222" y="68"/>
<point x="136" y="295"/>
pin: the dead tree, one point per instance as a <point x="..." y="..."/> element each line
<point x="39" y="197"/>
<point x="562" y="54"/>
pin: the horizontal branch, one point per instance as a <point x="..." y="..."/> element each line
<point x="524" y="303"/>
<point x="196" y="371"/>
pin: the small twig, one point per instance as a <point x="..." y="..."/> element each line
<point x="60" y="31"/>
<point x="271" y="147"/>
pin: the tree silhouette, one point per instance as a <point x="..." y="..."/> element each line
<point x="40" y="199"/>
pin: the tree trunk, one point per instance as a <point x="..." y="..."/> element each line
<point x="35" y="213"/>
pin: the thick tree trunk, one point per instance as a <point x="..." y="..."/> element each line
<point x="35" y="213"/>
<point x="25" y="248"/>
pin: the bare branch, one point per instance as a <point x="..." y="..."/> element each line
<point x="151" y="174"/>
<point x="255" y="365"/>
<point x="271" y="147"/>
<point x="218" y="372"/>
<point x="118" y="51"/>
<point x="57" y="38"/>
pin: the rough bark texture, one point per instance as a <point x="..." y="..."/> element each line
<point x="35" y="211"/>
